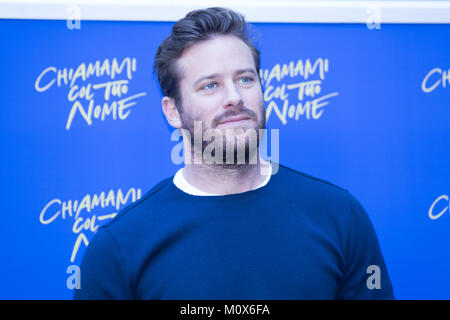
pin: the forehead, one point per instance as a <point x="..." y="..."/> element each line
<point x="220" y="55"/>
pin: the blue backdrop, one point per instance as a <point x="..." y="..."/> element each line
<point x="83" y="134"/>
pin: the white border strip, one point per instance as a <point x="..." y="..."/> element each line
<point x="254" y="10"/>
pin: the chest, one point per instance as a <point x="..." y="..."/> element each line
<point x="243" y="260"/>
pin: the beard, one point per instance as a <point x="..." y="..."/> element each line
<point x="235" y="148"/>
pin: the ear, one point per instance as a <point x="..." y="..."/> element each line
<point x="170" y="111"/>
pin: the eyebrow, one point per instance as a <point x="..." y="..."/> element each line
<point x="215" y="75"/>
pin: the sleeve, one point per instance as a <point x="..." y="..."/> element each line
<point x="102" y="270"/>
<point x="365" y="275"/>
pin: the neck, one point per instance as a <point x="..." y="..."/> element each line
<point x="227" y="179"/>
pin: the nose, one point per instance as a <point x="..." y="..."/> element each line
<point x="233" y="97"/>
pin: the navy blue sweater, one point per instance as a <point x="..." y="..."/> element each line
<point x="298" y="237"/>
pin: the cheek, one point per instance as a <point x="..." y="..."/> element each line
<point x="204" y="107"/>
<point x="254" y="98"/>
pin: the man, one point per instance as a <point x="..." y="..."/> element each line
<point x="224" y="227"/>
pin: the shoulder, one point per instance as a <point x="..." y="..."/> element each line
<point x="303" y="181"/>
<point x="331" y="202"/>
<point x="318" y="197"/>
<point x="115" y="241"/>
<point x="150" y="200"/>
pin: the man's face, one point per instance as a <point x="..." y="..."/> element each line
<point x="220" y="87"/>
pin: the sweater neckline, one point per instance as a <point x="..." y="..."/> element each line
<point x="260" y="189"/>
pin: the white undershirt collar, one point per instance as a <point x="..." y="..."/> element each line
<point x="181" y="183"/>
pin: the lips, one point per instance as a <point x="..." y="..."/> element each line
<point x="234" y="119"/>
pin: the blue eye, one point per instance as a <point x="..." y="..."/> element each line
<point x="246" y="79"/>
<point x="210" y="86"/>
